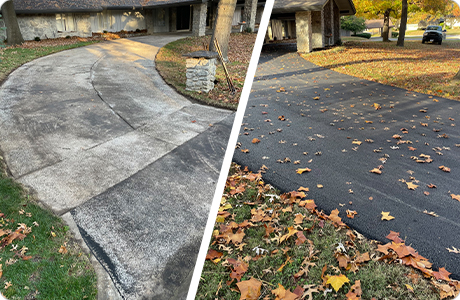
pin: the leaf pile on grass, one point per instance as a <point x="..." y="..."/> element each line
<point x="271" y="246"/>
<point x="38" y="258"/>
<point x="424" y="68"/>
<point x="171" y="65"/>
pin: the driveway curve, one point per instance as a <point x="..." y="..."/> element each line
<point x="329" y="123"/>
<point x="128" y="162"/>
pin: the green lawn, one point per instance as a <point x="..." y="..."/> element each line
<point x="38" y="257"/>
<point x="11" y="58"/>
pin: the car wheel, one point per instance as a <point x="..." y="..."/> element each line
<point x="423" y="41"/>
<point x="440" y="42"/>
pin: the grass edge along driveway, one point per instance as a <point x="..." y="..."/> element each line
<point x="423" y="68"/>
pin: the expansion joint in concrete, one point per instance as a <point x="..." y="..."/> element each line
<point x="100" y="96"/>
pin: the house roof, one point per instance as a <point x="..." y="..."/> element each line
<point x="370" y="24"/>
<point x="55" y="6"/>
<point x="346" y="7"/>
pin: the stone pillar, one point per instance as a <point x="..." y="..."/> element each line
<point x="173" y="19"/>
<point x="249" y="15"/>
<point x="199" y="19"/>
<point x="336" y="16"/>
<point x="291" y="29"/>
<point x="327" y="23"/>
<point x="201" y="70"/>
<point x="304" y="31"/>
<point x="317" y="29"/>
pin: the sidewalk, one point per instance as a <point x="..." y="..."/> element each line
<point x="106" y="144"/>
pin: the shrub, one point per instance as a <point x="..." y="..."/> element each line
<point x="394" y="34"/>
<point x="138" y="30"/>
<point x="248" y="29"/>
<point x="37" y="38"/>
<point x="363" y="35"/>
<point x="105" y="31"/>
<point x="67" y="37"/>
<point x="353" y="24"/>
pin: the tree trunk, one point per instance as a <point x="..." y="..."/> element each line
<point x="13" y="33"/>
<point x="457" y="76"/>
<point x="402" y="25"/>
<point x="386" y="25"/>
<point x="223" y="26"/>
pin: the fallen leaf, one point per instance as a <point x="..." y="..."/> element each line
<point x="455" y="197"/>
<point x="444" y="168"/>
<point x="386" y="216"/>
<point x="355" y="291"/>
<point x="376" y="171"/>
<point x="249" y="289"/>
<point x="454" y="250"/>
<point x="337" y="281"/>
<point x="63" y="249"/>
<point x="411" y="185"/>
<point x="431" y="213"/>
<point x="300" y="171"/>
<point x="442" y="274"/>
<point x="394" y="236"/>
<point x="255" y="140"/>
<point x="213" y="254"/>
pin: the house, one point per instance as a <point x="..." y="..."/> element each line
<point x="314" y="23"/>
<point x="376" y="26"/>
<point x="61" y="18"/>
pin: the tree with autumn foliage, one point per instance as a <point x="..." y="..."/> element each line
<point x="373" y="9"/>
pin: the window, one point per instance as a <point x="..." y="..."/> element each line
<point x="65" y="22"/>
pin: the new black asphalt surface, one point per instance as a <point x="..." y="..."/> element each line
<point x="343" y="112"/>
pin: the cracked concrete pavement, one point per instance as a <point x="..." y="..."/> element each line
<point x="130" y="164"/>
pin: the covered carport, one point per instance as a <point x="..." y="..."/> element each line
<point x="315" y="23"/>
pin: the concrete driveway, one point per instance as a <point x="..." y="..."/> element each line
<point x="328" y="122"/>
<point x="125" y="160"/>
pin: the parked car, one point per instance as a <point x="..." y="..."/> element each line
<point x="434" y="34"/>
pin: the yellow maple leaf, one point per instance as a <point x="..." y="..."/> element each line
<point x="337" y="281"/>
<point x="386" y="216"/>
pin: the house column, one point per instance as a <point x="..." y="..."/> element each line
<point x="304" y="27"/>
<point x="249" y="15"/>
<point x="327" y="23"/>
<point x="336" y="24"/>
<point x="317" y="28"/>
<point x="199" y="19"/>
<point x="173" y="19"/>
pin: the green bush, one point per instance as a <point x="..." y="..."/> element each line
<point x="67" y="37"/>
<point x="363" y="35"/>
<point x="37" y="38"/>
<point x="138" y="30"/>
<point x="394" y="34"/>
<point x="105" y="31"/>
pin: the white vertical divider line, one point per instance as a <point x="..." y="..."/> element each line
<point x="230" y="150"/>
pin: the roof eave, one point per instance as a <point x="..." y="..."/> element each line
<point x="55" y="11"/>
<point x="166" y="4"/>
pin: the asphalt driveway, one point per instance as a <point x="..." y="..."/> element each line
<point x="343" y="127"/>
<point x="125" y="160"/>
